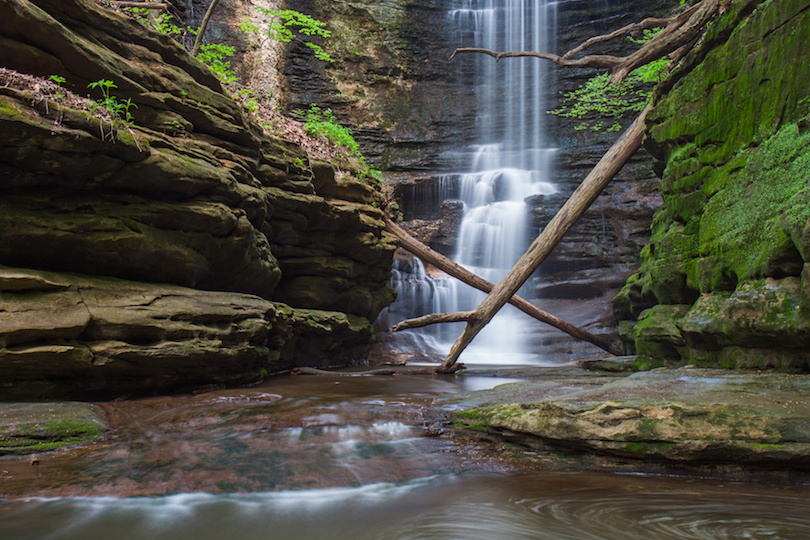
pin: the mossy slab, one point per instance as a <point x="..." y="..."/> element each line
<point x="28" y="428"/>
<point x="686" y="415"/>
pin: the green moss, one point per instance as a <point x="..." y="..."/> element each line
<point x="42" y="437"/>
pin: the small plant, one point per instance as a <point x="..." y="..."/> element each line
<point x="118" y="110"/>
<point x="322" y="123"/>
<point x="214" y="56"/>
<point x="597" y="101"/>
<point x="59" y="81"/>
<point x="162" y="23"/>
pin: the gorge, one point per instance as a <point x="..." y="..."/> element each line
<point x="167" y="274"/>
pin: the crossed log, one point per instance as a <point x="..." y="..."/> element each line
<point x="441" y="262"/>
<point x="504" y="292"/>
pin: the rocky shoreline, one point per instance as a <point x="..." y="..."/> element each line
<point x="741" y="425"/>
<point x="687" y="419"/>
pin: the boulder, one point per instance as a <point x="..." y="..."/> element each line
<point x="686" y="416"/>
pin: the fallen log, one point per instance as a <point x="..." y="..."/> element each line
<point x="408" y="242"/>
<point x="604" y="171"/>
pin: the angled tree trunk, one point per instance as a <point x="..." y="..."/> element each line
<point x="580" y="201"/>
<point x="195" y="49"/>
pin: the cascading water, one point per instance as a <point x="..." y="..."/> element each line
<point x="512" y="161"/>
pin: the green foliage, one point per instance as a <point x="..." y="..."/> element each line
<point x="162" y="23"/>
<point x="597" y="102"/>
<point x="283" y="24"/>
<point x="59" y="80"/>
<point x="118" y="110"/>
<point x="214" y="56"/>
<point x="322" y="123"/>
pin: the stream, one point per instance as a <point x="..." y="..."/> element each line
<point x="353" y="457"/>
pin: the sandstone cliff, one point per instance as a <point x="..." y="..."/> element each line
<point x="192" y="194"/>
<point x="724" y="281"/>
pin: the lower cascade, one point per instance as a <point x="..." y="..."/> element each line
<point x="511" y="163"/>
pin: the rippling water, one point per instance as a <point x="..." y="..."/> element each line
<point x="331" y="458"/>
<point x="549" y="505"/>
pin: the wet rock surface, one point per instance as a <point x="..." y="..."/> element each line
<point x="31" y="428"/>
<point x="71" y="336"/>
<point x="667" y="417"/>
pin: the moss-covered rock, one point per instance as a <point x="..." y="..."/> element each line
<point x="30" y="428"/>
<point x="731" y="237"/>
<point x="678" y="416"/>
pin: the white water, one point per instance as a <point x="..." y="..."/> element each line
<point x="512" y="161"/>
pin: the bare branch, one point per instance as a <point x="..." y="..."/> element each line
<point x="596" y="60"/>
<point x="432" y="318"/>
<point x="198" y="41"/>
<point x="679" y="30"/>
<point x="648" y="23"/>
<point x="142" y="5"/>
<point x="671" y="39"/>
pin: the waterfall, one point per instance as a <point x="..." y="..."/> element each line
<point x="510" y="162"/>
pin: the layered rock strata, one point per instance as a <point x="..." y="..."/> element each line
<point x="192" y="193"/>
<point x="724" y="280"/>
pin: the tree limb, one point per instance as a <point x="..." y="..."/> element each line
<point x="457" y="271"/>
<point x="142" y="5"/>
<point x="572" y="210"/>
<point x="195" y="50"/>
<point x="432" y="318"/>
<point x="679" y="30"/>
<point x="594" y="60"/>
<point x="647" y="23"/>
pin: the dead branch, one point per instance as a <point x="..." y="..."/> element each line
<point x="610" y="164"/>
<point x="203" y="26"/>
<point x="679" y="30"/>
<point x="432" y="318"/>
<point x="457" y="271"/>
<point x="650" y="22"/>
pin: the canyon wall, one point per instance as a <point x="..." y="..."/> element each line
<point x="415" y="110"/>
<point x="725" y="279"/>
<point x="113" y="234"/>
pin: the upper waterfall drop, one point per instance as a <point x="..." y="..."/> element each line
<point x="510" y="162"/>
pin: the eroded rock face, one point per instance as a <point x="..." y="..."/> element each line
<point x="192" y="194"/>
<point x="723" y="281"/>
<point x="71" y="336"/>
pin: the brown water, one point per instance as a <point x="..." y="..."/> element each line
<point x="353" y="458"/>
